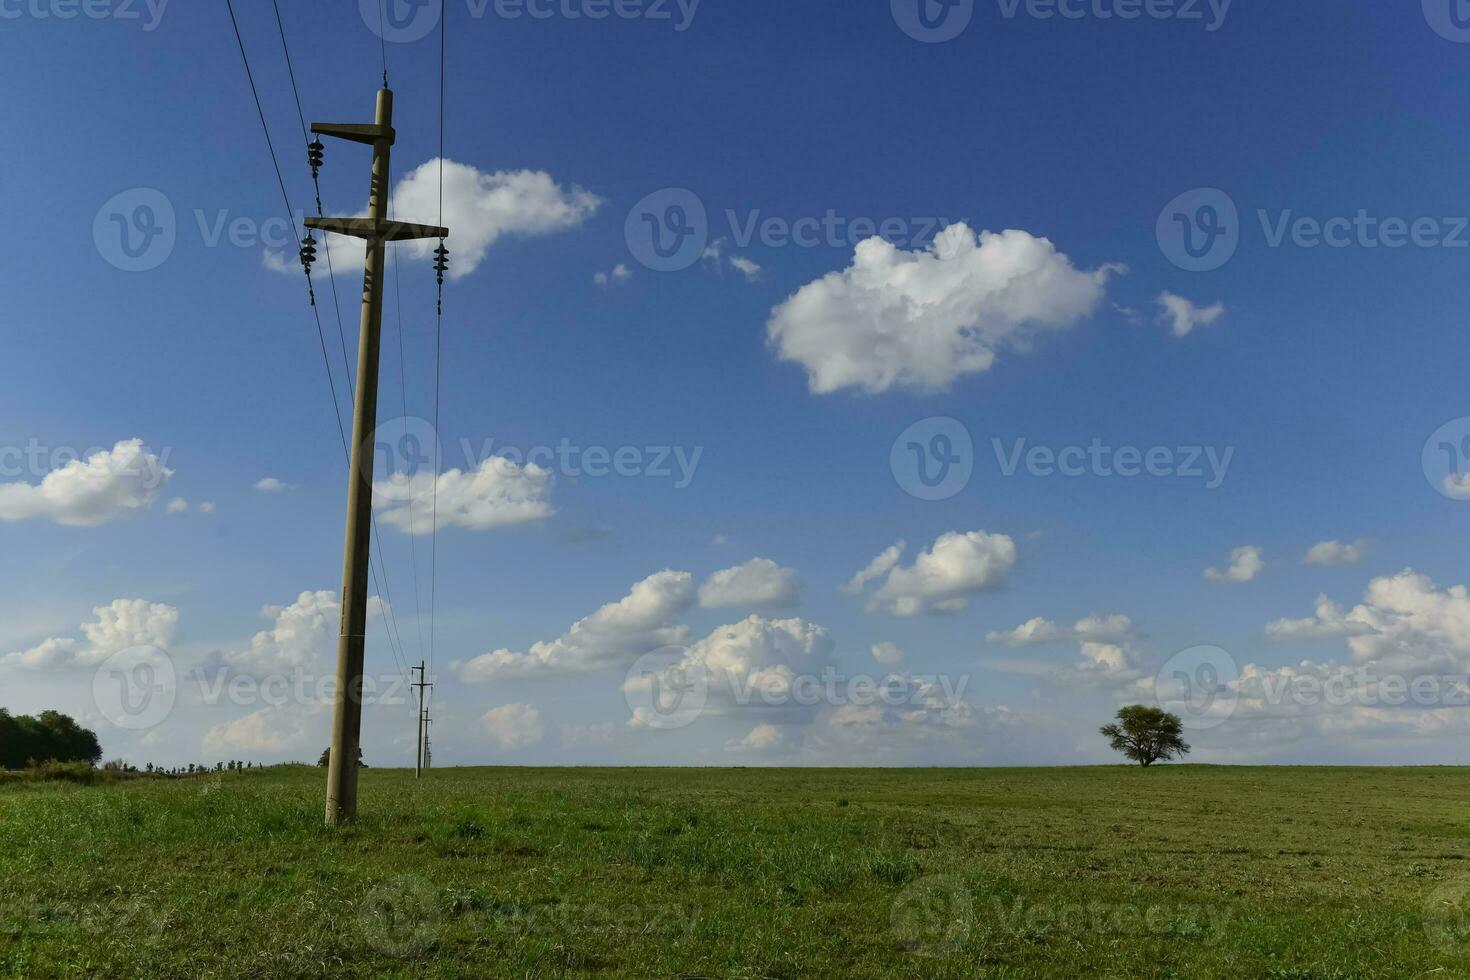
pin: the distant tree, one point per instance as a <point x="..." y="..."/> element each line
<point x="327" y="757"/>
<point x="1146" y="734"/>
<point x="49" y="737"/>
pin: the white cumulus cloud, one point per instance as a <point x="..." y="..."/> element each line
<point x="480" y="208"/>
<point x="1245" y="564"/>
<point x="615" y="635"/>
<point x="1184" y="316"/>
<point x="759" y="582"/>
<point x="300" y="635"/>
<point x="880" y="566"/>
<point x="1336" y="553"/>
<point x="108" y="485"/>
<point x="943" y="579"/>
<point x="121" y="624"/>
<point x="921" y="319"/>
<point x="499" y="493"/>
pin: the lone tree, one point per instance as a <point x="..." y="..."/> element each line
<point x="1146" y="734"/>
<point x="327" y="757"/>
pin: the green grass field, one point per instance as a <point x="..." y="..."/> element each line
<point x="1175" y="871"/>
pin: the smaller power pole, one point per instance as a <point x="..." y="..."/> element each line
<point x="428" y="744"/>
<point x="421" y="743"/>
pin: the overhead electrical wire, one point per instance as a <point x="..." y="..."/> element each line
<point x="389" y="624"/>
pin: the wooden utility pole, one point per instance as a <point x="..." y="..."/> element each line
<point x="421" y="746"/>
<point x="376" y="230"/>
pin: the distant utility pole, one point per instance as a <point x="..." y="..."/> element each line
<point x="421" y="746"/>
<point x="377" y="230"/>
<point x="428" y="743"/>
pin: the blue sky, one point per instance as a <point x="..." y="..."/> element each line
<point x="1326" y="372"/>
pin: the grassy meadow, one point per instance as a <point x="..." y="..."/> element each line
<point x="1171" y="872"/>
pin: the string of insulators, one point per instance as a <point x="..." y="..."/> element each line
<point x="308" y="256"/>
<point x="315" y="154"/>
<point x="441" y="266"/>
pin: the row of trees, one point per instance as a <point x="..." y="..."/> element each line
<point x="49" y="737"/>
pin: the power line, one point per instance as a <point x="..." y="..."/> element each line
<point x="390" y="619"/>
<point x="403" y="391"/>
<point x="389" y="623"/>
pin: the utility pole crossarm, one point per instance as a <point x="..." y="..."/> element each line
<point x="382" y="231"/>
<point x="356" y="132"/>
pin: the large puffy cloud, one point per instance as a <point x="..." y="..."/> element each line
<point x="480" y="208"/>
<point x="300" y="634"/>
<point x="499" y="493"/>
<point x="107" y="485"/>
<point x="759" y="582"/>
<point x="752" y="666"/>
<point x="513" y="726"/>
<point x="119" y="625"/>
<point x="1330" y="621"/>
<point x="944" y="578"/>
<point x="1405" y="622"/>
<point x="615" y="635"/>
<point x="1412" y="623"/>
<point x="920" y="319"/>
<point x="1410" y="646"/>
